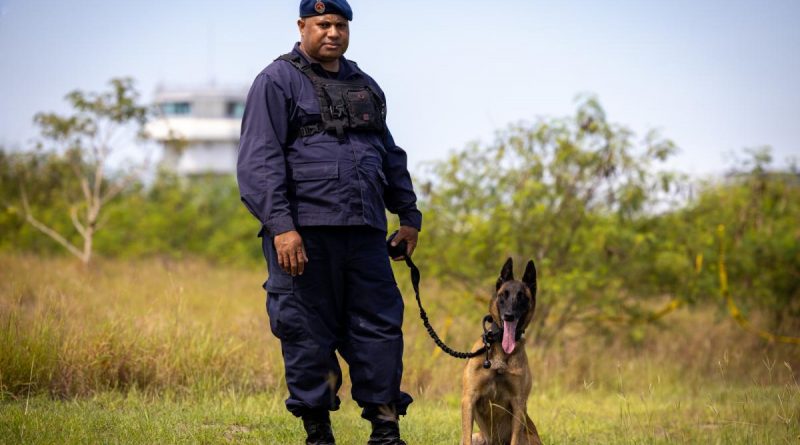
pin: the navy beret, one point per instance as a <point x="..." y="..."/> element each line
<point x="310" y="8"/>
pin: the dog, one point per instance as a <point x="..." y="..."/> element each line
<point x="495" y="398"/>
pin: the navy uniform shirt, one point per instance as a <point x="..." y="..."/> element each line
<point x="287" y="180"/>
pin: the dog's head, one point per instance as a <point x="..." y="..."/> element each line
<point x="514" y="302"/>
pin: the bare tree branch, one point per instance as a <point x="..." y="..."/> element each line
<point x="98" y="178"/>
<point x="84" y="182"/>
<point x="47" y="230"/>
<point x="73" y="214"/>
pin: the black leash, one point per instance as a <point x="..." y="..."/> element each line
<point x="489" y="334"/>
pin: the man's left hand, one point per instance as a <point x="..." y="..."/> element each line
<point x="410" y="235"/>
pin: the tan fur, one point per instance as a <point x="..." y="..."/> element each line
<point x="496" y="398"/>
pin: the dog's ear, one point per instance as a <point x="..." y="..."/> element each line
<point x="506" y="274"/>
<point x="530" y="277"/>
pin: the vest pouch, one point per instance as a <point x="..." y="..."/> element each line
<point x="364" y="111"/>
<point x="334" y="110"/>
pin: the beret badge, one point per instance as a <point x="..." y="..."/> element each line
<point x="319" y="7"/>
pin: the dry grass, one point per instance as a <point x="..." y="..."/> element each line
<point x="159" y="324"/>
<point x="151" y="325"/>
<point x="169" y="331"/>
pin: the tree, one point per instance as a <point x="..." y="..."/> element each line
<point x="86" y="139"/>
<point x="565" y="192"/>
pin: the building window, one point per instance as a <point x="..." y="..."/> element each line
<point x="235" y="110"/>
<point x="176" y="108"/>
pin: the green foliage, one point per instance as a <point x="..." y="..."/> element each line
<point x="94" y="114"/>
<point x="614" y="235"/>
<point x="566" y="192"/>
<point x="51" y="186"/>
<point x="172" y="217"/>
<point x="759" y="208"/>
<point x="178" y="217"/>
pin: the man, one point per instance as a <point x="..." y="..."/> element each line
<point x="318" y="167"/>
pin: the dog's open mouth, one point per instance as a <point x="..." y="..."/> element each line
<point x="509" y="336"/>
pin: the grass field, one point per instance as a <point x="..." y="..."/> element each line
<point x="180" y="352"/>
<point x="728" y="415"/>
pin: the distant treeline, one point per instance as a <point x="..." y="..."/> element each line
<point x="615" y="236"/>
<point x="172" y="217"/>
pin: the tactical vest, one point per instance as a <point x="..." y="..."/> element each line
<point x="344" y="104"/>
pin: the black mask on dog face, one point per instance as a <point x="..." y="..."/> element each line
<point x="515" y="302"/>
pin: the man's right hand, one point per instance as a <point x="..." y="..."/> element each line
<point x="291" y="253"/>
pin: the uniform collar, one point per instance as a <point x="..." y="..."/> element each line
<point x="347" y="69"/>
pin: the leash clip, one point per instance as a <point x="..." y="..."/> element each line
<point x="488" y="335"/>
<point x="488" y="339"/>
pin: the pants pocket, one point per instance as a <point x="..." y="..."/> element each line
<point x="286" y="318"/>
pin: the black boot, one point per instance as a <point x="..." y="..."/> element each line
<point x="385" y="432"/>
<point x="318" y="428"/>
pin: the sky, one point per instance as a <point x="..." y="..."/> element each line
<point x="714" y="76"/>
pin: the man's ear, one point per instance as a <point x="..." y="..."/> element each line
<point x="530" y="277"/>
<point x="506" y="274"/>
<point x="301" y="25"/>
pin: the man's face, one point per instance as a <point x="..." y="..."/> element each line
<point x="324" y="37"/>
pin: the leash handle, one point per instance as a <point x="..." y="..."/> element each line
<point x="396" y="251"/>
<point x="400" y="251"/>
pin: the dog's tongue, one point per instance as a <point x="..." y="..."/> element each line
<point x="509" y="334"/>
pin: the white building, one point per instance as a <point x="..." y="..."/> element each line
<point x="199" y="129"/>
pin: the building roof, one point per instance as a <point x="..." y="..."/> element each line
<point x="193" y="129"/>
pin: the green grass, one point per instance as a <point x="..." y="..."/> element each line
<point x="725" y="415"/>
<point x="147" y="352"/>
